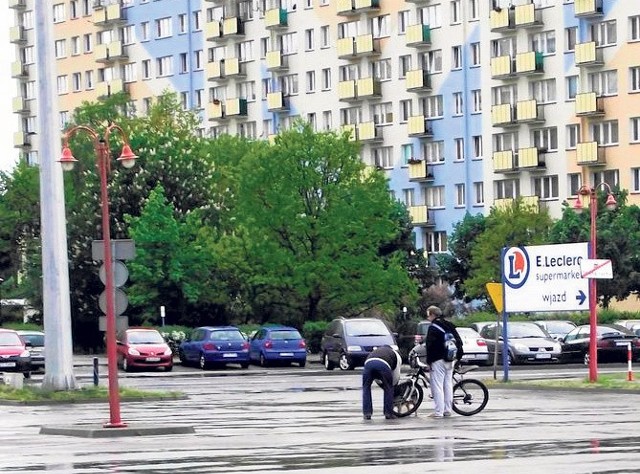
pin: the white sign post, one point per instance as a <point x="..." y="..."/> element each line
<point x="545" y="278"/>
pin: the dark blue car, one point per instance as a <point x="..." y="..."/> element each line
<point x="215" y="345"/>
<point x="278" y="344"/>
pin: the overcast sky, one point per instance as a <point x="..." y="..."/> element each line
<point x="9" y="122"/>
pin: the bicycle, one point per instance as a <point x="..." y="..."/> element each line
<point x="470" y="396"/>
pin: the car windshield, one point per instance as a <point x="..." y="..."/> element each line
<point x="517" y="331"/>
<point x="145" y="337"/>
<point x="9" y="339"/>
<point x="366" y="328"/>
<point x="559" y="327"/>
<point x="280" y="335"/>
<point x="36" y="340"/>
<point x="604" y="331"/>
<point x="468" y="332"/>
<point x="228" y="335"/>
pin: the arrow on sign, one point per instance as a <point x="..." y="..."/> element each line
<point x="581" y="297"/>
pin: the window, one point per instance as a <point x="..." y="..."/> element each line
<point x="573" y="136"/>
<point x="503" y="47"/>
<point x="62" y="84"/>
<point x="431" y="61"/>
<point x="197" y="20"/>
<point x="311" y="81"/>
<point x="289" y="84"/>
<point x="128" y="35"/>
<point x="475" y="54"/>
<point x="163" y="28"/>
<point x="544" y="42"/>
<point x="432" y="106"/>
<point x="603" y="83"/>
<point x="382" y="113"/>
<point x="312" y="120"/>
<point x="635" y="130"/>
<point x="184" y="100"/>
<point x="478" y="193"/>
<point x="326" y="79"/>
<point x="197" y="60"/>
<point x="406" y="153"/>
<point x="505" y="141"/>
<point x="64" y="119"/>
<point x="380" y="26"/>
<point x="408" y="197"/>
<point x="327" y="122"/>
<point x="431" y="16"/>
<point x="309" y="44"/>
<point x="88" y="80"/>
<point x="184" y="63"/>
<point x="381" y="70"/>
<point x="477" y="147"/>
<point x="347" y="29"/>
<point x="504" y="95"/>
<point x="265" y="86"/>
<point x="76" y="81"/>
<point x="325" y="39"/>
<point x="75" y="45"/>
<point x="473" y="10"/>
<point x="456" y="57"/>
<point x="605" y="133"/>
<point x="60" y="47"/>
<point x="572" y="87"/>
<point x="199" y="98"/>
<point x="182" y="23"/>
<point x="288" y="43"/>
<point x="433" y="152"/>
<point x="634" y="79"/>
<point x="570" y="38"/>
<point x="164" y="66"/>
<point x="73" y="9"/>
<point x="575" y="183"/>
<point x="146" y="69"/>
<point x="546" y="187"/>
<point x="383" y="157"/>
<point x="436" y="242"/>
<point x="476" y="96"/>
<point x="507" y="189"/>
<point x="144" y="31"/>
<point x="603" y="33"/>
<point x="245" y="51"/>
<point x="406" y="108"/>
<point x="610" y="177"/>
<point x="434" y="196"/>
<point x="456" y="14"/>
<point x="129" y="72"/>
<point x="403" y="21"/>
<point x="265" y="45"/>
<point x="247" y="90"/>
<point x="458" y="105"/>
<point x="460" y="197"/>
<point x="59" y="13"/>
<point x="543" y="91"/>
<point x="404" y="66"/>
<point x="247" y="130"/>
<point x="634" y="28"/>
<point x="459" y="147"/>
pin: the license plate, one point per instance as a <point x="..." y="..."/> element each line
<point x="543" y="356"/>
<point x="466" y="356"/>
<point x="153" y="359"/>
<point x="286" y="354"/>
<point x="7" y="364"/>
<point x="230" y="354"/>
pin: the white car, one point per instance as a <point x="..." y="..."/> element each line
<point x="474" y="346"/>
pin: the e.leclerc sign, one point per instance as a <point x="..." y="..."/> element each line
<point x="545" y="278"/>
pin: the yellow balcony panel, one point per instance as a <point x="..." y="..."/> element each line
<point x="587" y="54"/>
<point x="503" y="204"/>
<point x="276" y="101"/>
<point x="112" y="14"/>
<point x="418" y="80"/>
<point x="530" y="158"/>
<point x="21" y="140"/>
<point x="346" y="47"/>
<point x="18" y="4"/>
<point x="502" y="67"/>
<point x="346" y="8"/>
<point x="366" y="45"/>
<point x="504" y="162"/>
<point x="20" y="105"/>
<point x="272" y="138"/>
<point x="420" y="215"/>
<point x="419" y="171"/>
<point x="367" y="5"/>
<point x="17" y="35"/>
<point x="589" y="105"/>
<point x="588" y="8"/>
<point x="215" y="110"/>
<point x="18" y="70"/>
<point x="347" y="90"/>
<point x="369" y="132"/>
<point x="502" y="115"/>
<point x="529" y="111"/>
<point x="276" y="61"/>
<point x="351" y="130"/>
<point x="531" y="202"/>
<point x="529" y="63"/>
<point x="233" y="67"/>
<point x="418" y="35"/>
<point x="419" y="126"/>
<point x="528" y="16"/>
<point x="213" y="30"/>
<point x="589" y="153"/>
<point x="107" y="88"/>
<point x="368" y="87"/>
<point x="275" y="18"/>
<point x="108" y="52"/>
<point x="235" y="107"/>
<point x="215" y="70"/>
<point x="232" y="27"/>
<point x="500" y="19"/>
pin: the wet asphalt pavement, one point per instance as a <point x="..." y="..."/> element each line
<point x="309" y="421"/>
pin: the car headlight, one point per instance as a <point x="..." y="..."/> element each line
<point x="133" y="352"/>
<point x="521" y="348"/>
<point x="557" y="348"/>
<point x="167" y="352"/>
<point x="354" y="349"/>
<point x="25" y="353"/>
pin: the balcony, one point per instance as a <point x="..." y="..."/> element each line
<point x="418" y="35"/>
<point x="111" y="15"/>
<point x="588" y="55"/>
<point x="346" y="8"/>
<point x="418" y="80"/>
<point x="215" y="110"/>
<point x="529" y="111"/>
<point x="504" y="162"/>
<point x="502" y="67"/>
<point x="351" y="130"/>
<point x="275" y="19"/>
<point x="347" y="91"/>
<point x="531" y="158"/>
<point x="368" y="87"/>
<point x="232" y="27"/>
<point x="277" y="102"/>
<point x="528" y="16"/>
<point x="590" y="154"/>
<point x="419" y="171"/>
<point x="588" y="8"/>
<point x="235" y="107"/>
<point x="503" y="115"/>
<point x="420" y="216"/>
<point x="21" y="140"/>
<point x="419" y="127"/>
<point x="589" y="105"/>
<point x="20" y="105"/>
<point x="367" y="5"/>
<point x="346" y="47"/>
<point x="18" y="70"/>
<point x="529" y="63"/>
<point x="529" y="202"/>
<point x="276" y="61"/>
<point x="109" y="52"/>
<point x="369" y="132"/>
<point x="501" y="20"/>
<point x="18" y="4"/>
<point x="107" y="88"/>
<point x="366" y="45"/>
<point x="213" y="30"/>
<point x="229" y="67"/>
<point x="17" y="35"/>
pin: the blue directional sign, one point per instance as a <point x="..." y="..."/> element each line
<point x="545" y="278"/>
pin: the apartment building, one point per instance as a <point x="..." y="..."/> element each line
<point x="465" y="104"/>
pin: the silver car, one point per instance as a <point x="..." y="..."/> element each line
<point x="528" y="342"/>
<point x="474" y="347"/>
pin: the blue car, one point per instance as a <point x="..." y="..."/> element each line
<point x="215" y="345"/>
<point x="278" y="344"/>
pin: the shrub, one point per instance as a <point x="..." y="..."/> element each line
<point x="174" y="335"/>
<point x="312" y="332"/>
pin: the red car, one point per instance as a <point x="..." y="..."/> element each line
<point x="14" y="355"/>
<point x="143" y="348"/>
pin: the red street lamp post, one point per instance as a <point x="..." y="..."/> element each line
<point x="103" y="157"/>
<point x="593" y="209"/>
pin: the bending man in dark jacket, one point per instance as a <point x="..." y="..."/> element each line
<point x="382" y="364"/>
<point x="441" y="370"/>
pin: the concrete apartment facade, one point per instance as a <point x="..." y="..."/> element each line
<point x="465" y="104"/>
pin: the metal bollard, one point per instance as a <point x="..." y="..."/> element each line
<point x="95" y="371"/>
